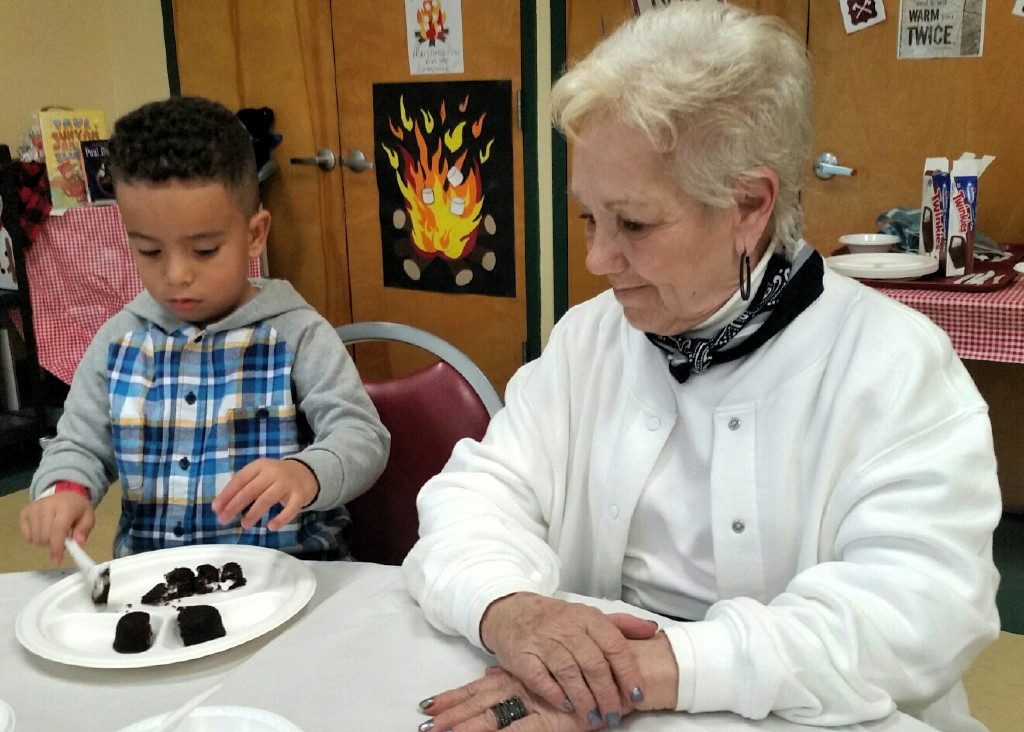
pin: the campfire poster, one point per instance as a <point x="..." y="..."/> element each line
<point x="443" y="159"/>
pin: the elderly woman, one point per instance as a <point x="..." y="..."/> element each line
<point x="732" y="435"/>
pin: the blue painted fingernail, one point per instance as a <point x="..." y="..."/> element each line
<point x="635" y="694"/>
<point x="568" y="705"/>
<point x="427" y="726"/>
<point x="427" y="703"/>
<point x="593" y="716"/>
<point x="613" y="719"/>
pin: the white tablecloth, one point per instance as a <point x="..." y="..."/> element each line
<point x="360" y="656"/>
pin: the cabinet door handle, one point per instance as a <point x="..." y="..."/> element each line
<point x="324" y="160"/>
<point x="356" y="161"/>
<point x="825" y="166"/>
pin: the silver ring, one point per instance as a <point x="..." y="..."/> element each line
<point x="509" y="711"/>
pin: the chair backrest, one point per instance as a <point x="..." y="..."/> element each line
<point x="427" y="412"/>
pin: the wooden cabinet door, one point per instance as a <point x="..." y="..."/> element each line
<point x="370" y="41"/>
<point x="314" y="62"/>
<point x="883" y="116"/>
<point x="280" y="55"/>
<point x="879" y="115"/>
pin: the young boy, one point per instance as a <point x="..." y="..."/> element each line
<point x="228" y="408"/>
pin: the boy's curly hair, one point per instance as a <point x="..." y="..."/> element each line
<point x="187" y="139"/>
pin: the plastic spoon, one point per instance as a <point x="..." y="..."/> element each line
<point x="173" y="721"/>
<point x="97" y="576"/>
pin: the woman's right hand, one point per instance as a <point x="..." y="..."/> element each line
<point x="572" y="655"/>
<point x="48" y="521"/>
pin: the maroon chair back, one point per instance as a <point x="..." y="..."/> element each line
<point x="427" y="412"/>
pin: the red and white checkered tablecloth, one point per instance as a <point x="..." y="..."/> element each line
<point x="80" y="274"/>
<point x="985" y="326"/>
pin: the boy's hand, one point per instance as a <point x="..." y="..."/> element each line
<point x="262" y="484"/>
<point x="49" y="521"/>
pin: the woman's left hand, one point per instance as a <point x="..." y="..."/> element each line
<point x="469" y="708"/>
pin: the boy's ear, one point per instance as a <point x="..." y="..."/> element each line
<point x="259" y="228"/>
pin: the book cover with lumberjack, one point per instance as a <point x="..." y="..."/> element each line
<point x="443" y="160"/>
<point x="62" y="131"/>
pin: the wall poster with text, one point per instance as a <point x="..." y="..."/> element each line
<point x="443" y="160"/>
<point x="941" y="28"/>
<point x="434" y="35"/>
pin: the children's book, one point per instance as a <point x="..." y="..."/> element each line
<point x="63" y="130"/>
<point x="99" y="185"/>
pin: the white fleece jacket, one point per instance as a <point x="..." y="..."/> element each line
<point x="853" y="446"/>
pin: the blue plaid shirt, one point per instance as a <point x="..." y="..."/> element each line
<point x="188" y="410"/>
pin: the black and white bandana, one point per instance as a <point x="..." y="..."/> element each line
<point x="787" y="288"/>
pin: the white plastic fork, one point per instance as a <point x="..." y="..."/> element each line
<point x="97" y="576"/>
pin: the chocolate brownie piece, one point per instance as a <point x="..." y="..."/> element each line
<point x="178" y="583"/>
<point x="207" y="579"/>
<point x="101" y="588"/>
<point x="156" y="596"/>
<point x="134" y="633"/>
<point x="199" y="624"/>
<point x="181" y="582"/>
<point x="231" y="576"/>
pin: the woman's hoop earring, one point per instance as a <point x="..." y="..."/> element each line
<point x="745" y="276"/>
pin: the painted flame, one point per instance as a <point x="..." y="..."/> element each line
<point x="444" y="210"/>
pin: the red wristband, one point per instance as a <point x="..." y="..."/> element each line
<point x="68" y="486"/>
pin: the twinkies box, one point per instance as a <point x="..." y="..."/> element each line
<point x="963" y="212"/>
<point x="949" y="207"/>
<point x="934" y="207"/>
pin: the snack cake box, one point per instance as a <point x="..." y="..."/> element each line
<point x="949" y="210"/>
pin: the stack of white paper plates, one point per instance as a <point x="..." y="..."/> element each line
<point x="883" y="266"/>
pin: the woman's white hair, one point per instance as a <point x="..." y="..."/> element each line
<point x="719" y="90"/>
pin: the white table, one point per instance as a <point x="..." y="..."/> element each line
<point x="360" y="656"/>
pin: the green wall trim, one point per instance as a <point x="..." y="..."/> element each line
<point x="528" y="115"/>
<point x="170" y="48"/>
<point x="559" y="175"/>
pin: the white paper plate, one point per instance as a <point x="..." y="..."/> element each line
<point x="62" y="624"/>
<point x="6" y="717"/>
<point x="883" y="266"/>
<point x="221" y="719"/>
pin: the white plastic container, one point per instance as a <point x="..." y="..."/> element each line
<point x="869" y="243"/>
